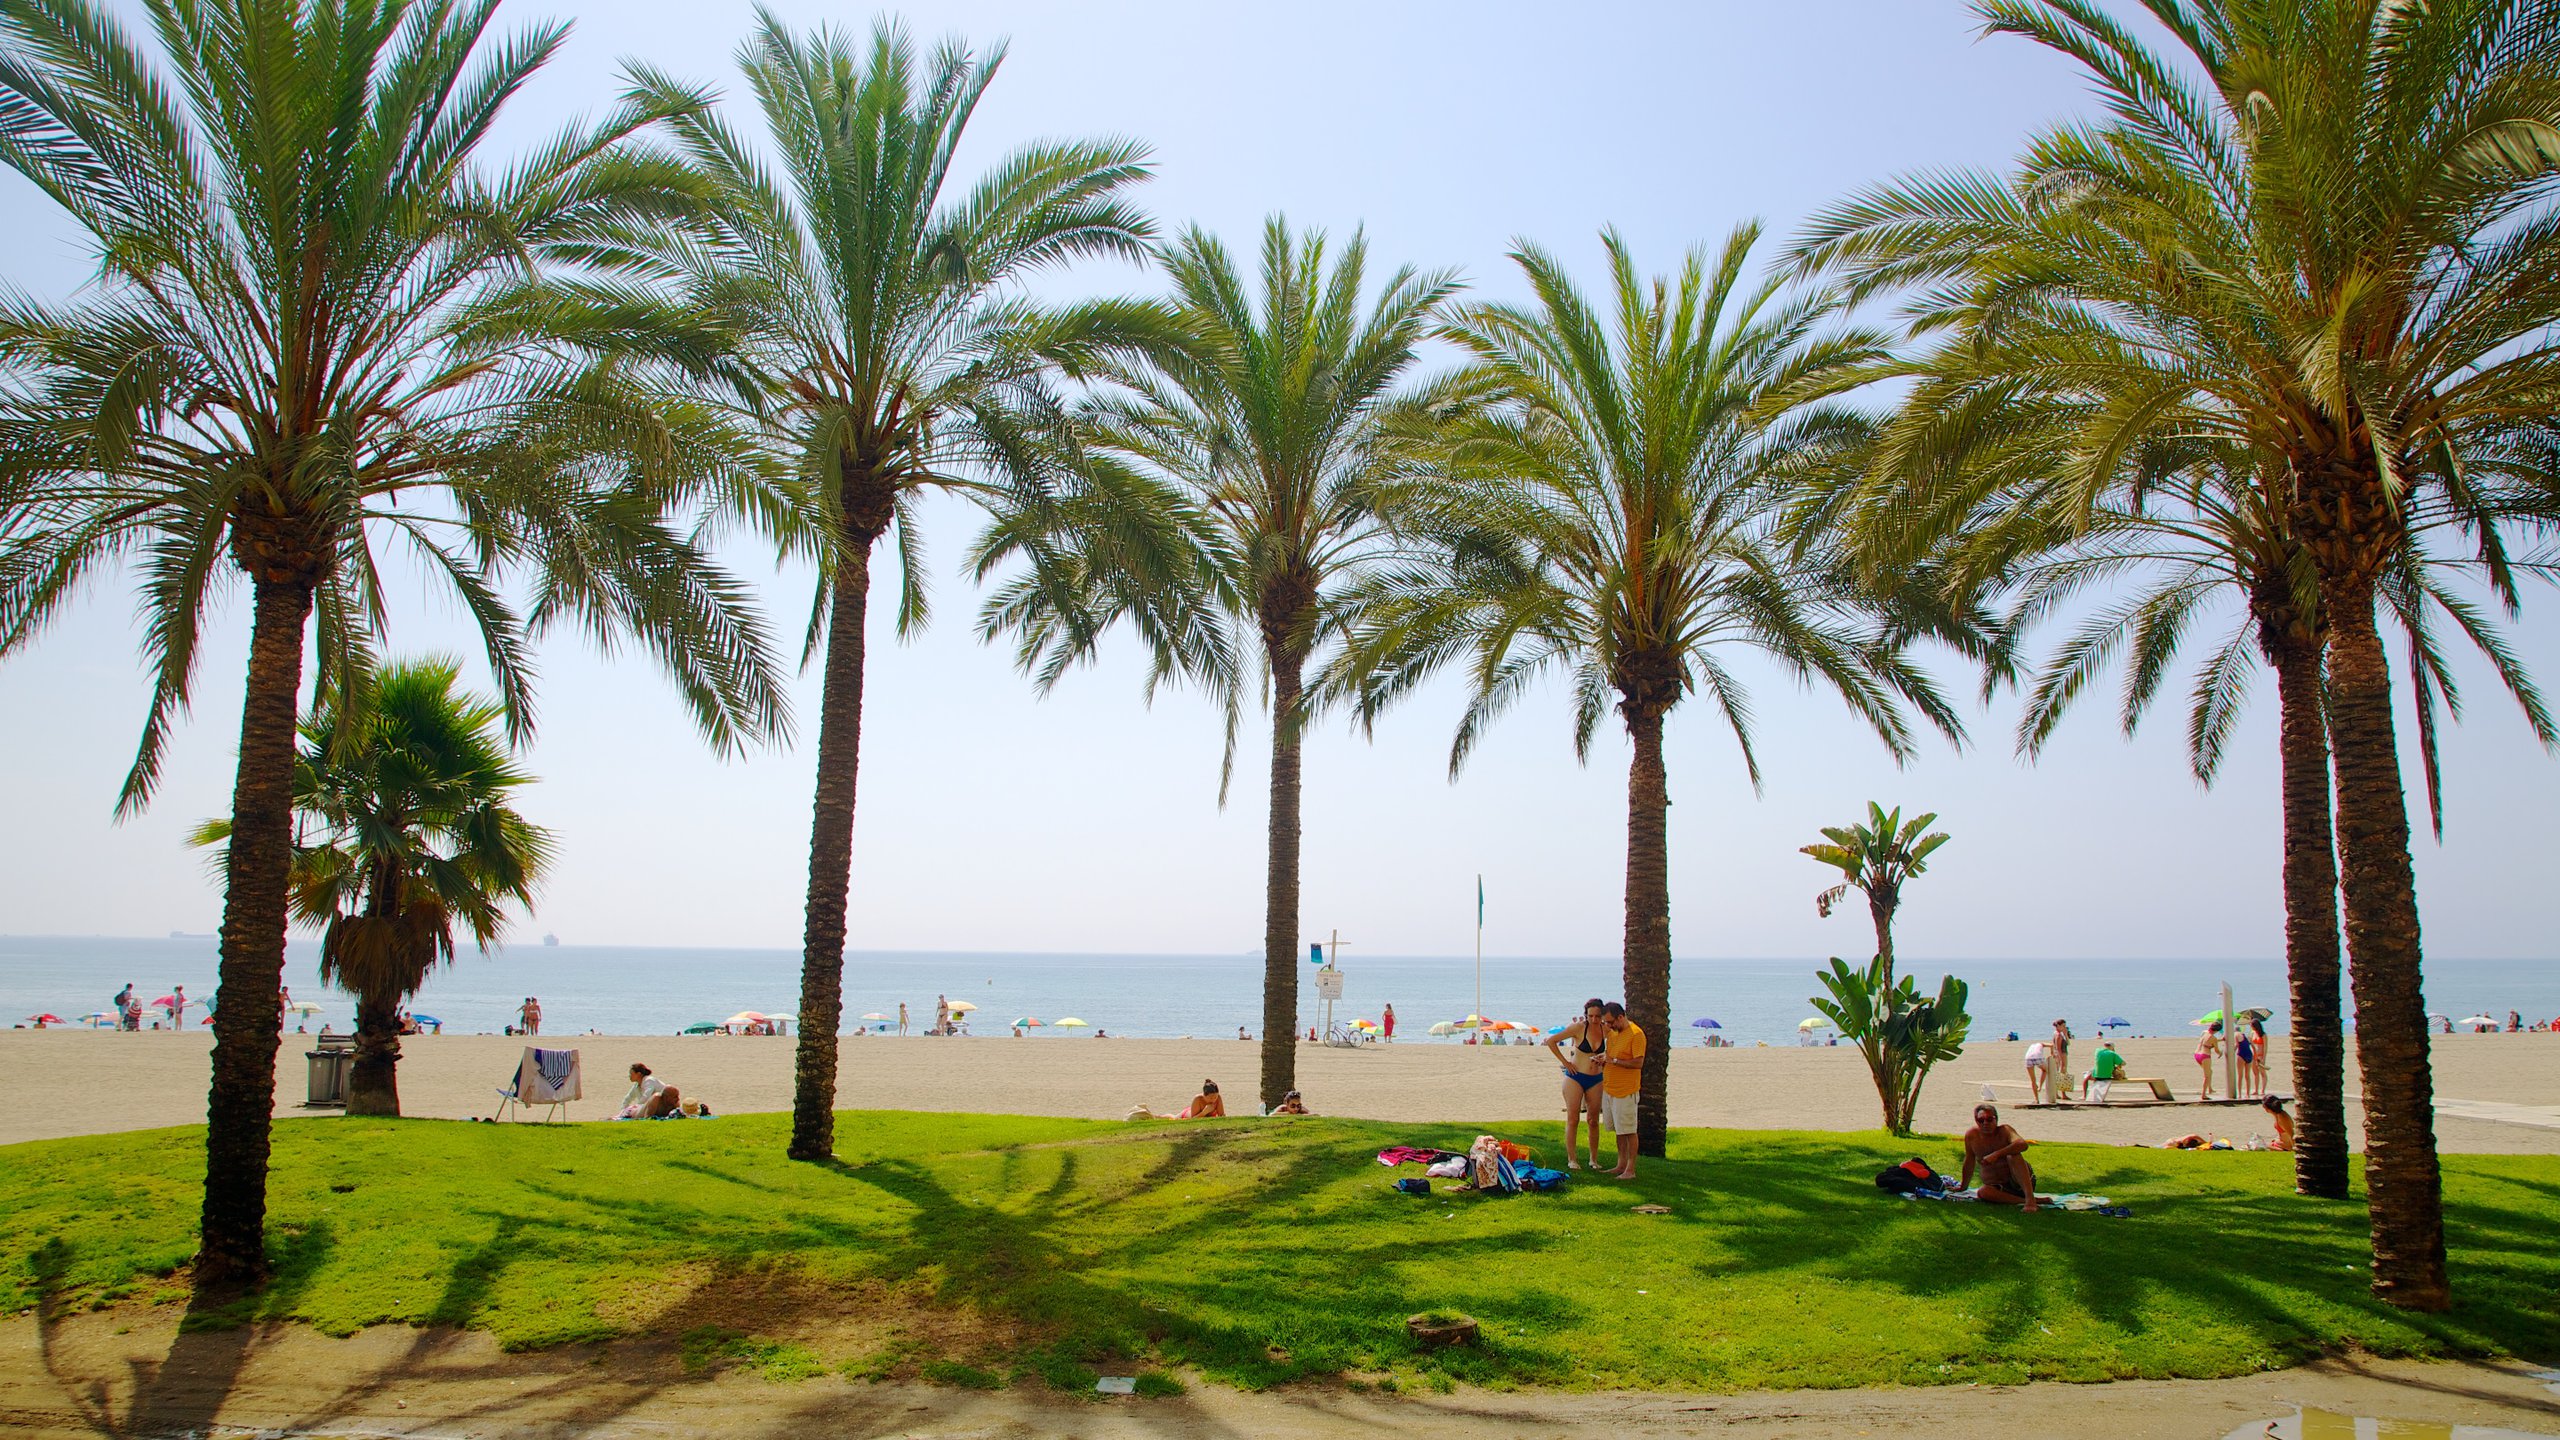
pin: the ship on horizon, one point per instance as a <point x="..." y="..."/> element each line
<point x="551" y="940"/>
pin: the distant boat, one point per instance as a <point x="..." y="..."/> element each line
<point x="190" y="935"/>
<point x="551" y="940"/>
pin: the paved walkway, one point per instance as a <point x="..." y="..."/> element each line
<point x="2542" y="1117"/>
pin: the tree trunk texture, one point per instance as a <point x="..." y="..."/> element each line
<point x="373" y="1081"/>
<point x="1880" y="909"/>
<point x="1280" y="881"/>
<point x="869" y="504"/>
<point x="2318" y="1041"/>
<point x="240" y="1107"/>
<point x="2403" y="1186"/>
<point x="1647" y="942"/>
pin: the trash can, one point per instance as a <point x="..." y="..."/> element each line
<point x="328" y="1076"/>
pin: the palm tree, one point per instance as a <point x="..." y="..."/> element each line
<point x="308" y="337"/>
<point x="888" y="353"/>
<point x="1876" y="859"/>
<point x="1616" y="512"/>
<point x="411" y="802"/>
<point x="2338" y="254"/>
<point x="1226" y="502"/>
<point x="2184" y="525"/>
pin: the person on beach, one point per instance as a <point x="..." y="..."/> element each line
<point x="2274" y="1106"/>
<point x="2058" y="1060"/>
<point x="2206" y="1049"/>
<point x="1578" y="1048"/>
<point x="2104" y="1067"/>
<point x="1207" y="1105"/>
<point x="902" y="1017"/>
<point x="2515" y="1022"/>
<point x="1621" y="1085"/>
<point x="650" y="1098"/>
<point x="128" y="1011"/>
<point x="1999" y="1152"/>
<point x="178" y="1007"/>
<point x="2039" y="1055"/>
<point x="1243" y="1034"/>
<point x="1387" y="1020"/>
<point x="529" y="1017"/>
<point x="941" y="1014"/>
<point x="1290" y="1104"/>
<point x="2247" y="1055"/>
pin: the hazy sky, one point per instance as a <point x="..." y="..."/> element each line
<point x="993" y="820"/>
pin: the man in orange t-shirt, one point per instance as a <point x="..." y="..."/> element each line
<point x="1622" y="1084"/>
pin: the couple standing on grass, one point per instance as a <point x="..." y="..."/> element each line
<point x="1603" y="1058"/>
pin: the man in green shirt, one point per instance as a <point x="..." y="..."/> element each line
<point x="2103" y="1070"/>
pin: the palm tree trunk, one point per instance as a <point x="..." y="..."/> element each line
<point x="240" y="1107"/>
<point x="813" y="1081"/>
<point x="1880" y="910"/>
<point x="373" y="1081"/>
<point x="2402" y="1183"/>
<point x="2318" y="1041"/>
<point x="1280" y="880"/>
<point x="1647" y="942"/>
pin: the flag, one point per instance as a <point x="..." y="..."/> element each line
<point x="1315" y="954"/>
<point x="1479" y="902"/>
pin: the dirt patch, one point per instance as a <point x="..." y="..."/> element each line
<point x="135" y="1372"/>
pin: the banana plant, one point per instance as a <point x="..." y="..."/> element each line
<point x="1901" y="1032"/>
<point x="1877" y="858"/>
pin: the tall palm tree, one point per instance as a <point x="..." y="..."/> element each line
<point x="882" y="338"/>
<point x="2188" y="534"/>
<point x="1876" y="859"/>
<point x="306" y="338"/>
<point x="410" y="827"/>
<point x="1227" y="470"/>
<point x="1614" y="510"/>
<point x="2340" y="253"/>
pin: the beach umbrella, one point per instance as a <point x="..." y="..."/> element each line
<point x="2115" y="1021"/>
<point x="961" y="1007"/>
<point x="746" y="1017"/>
<point x="1814" y="1023"/>
<point x="699" y="1027"/>
<point x="165" y="1002"/>
<point x="100" y="1019"/>
<point x="1445" y="1027"/>
<point x="426" y="1020"/>
<point x="304" y="1007"/>
<point x="2214" y="1017"/>
<point x="1068" y="1022"/>
<point x="1704" y="1023"/>
<point x="2474" y="1020"/>
<point x="1028" y="1020"/>
<point x="875" y="1015"/>
<point x="49" y="1018"/>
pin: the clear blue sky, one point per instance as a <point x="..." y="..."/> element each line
<point x="993" y="820"/>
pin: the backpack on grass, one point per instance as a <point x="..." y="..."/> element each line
<point x="1911" y="1177"/>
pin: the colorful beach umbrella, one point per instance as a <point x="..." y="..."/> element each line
<point x="1704" y="1022"/>
<point x="1068" y="1022"/>
<point x="2254" y="1012"/>
<point x="1028" y="1020"/>
<point x="746" y="1017"/>
<point x="875" y="1015"/>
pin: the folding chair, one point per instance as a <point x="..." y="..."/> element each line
<point x="543" y="1077"/>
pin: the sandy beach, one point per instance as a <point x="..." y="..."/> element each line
<point x="2496" y="1094"/>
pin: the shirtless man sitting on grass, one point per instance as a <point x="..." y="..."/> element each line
<point x="1999" y="1152"/>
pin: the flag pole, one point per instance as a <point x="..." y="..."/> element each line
<point x="1479" y="945"/>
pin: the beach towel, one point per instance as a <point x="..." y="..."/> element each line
<point x="1395" y="1155"/>
<point x="1541" y="1178"/>
<point x="547" y="1077"/>
<point x="1491" y="1168"/>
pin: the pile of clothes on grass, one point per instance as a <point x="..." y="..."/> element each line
<point x="1489" y="1166"/>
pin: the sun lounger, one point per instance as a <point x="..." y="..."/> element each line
<point x="2159" y="1093"/>
<point x="547" y="1078"/>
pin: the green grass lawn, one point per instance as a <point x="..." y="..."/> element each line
<point x="982" y="1250"/>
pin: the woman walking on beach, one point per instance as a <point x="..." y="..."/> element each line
<point x="2058" y="1060"/>
<point x="1387" y="1021"/>
<point x="2206" y="1049"/>
<point x="1577" y="1047"/>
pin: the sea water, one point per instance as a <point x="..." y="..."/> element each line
<point x="624" y="990"/>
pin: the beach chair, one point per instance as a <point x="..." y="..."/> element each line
<point x="547" y="1078"/>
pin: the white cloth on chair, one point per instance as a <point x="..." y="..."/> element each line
<point x="547" y="1077"/>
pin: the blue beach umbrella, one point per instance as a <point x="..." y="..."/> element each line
<point x="1704" y="1023"/>
<point x="2115" y="1021"/>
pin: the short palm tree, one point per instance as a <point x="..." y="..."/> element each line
<point x="2340" y="254"/>
<point x="886" y="348"/>
<point x="407" y="805"/>
<point x="1876" y="859"/>
<point x="1227" y="472"/>
<point x="1613" y="508"/>
<point x="307" y="339"/>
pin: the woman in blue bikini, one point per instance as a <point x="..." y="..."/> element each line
<point x="1578" y="1048"/>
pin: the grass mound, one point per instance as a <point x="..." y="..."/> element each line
<point x="990" y="1250"/>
